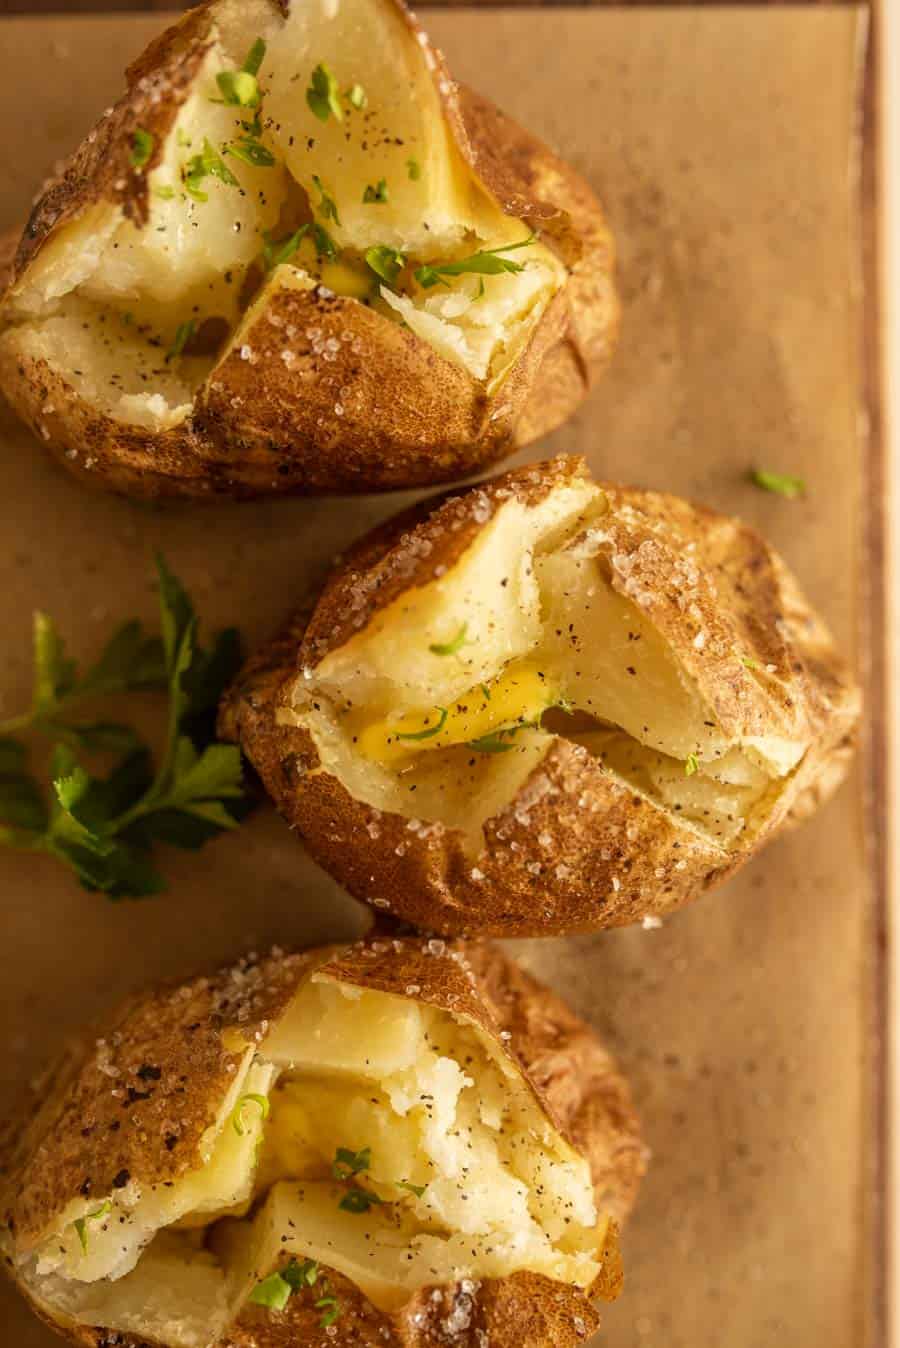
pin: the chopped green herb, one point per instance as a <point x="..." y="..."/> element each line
<point x="348" y="1163"/>
<point x="430" y="731"/>
<point x="450" y="647"/>
<point x="498" y="742"/>
<point x="250" y="151"/>
<point x="276" y="251"/>
<point x="356" y="96"/>
<point x="237" y="1117"/>
<point x="183" y="335"/>
<point x="165" y="192"/>
<point x="297" y="1276"/>
<point x="323" y="95"/>
<point x="273" y="1292"/>
<point x="330" y="1308"/>
<point x="327" y="206"/>
<point x="691" y="765"/>
<point x="359" y="1200"/>
<point x="489" y="262"/>
<point x="414" y="169"/>
<point x="325" y="244"/>
<point x="141" y="148"/>
<point x="385" y="262"/>
<point x="207" y="164"/>
<point x="80" y="1223"/>
<point x="748" y="663"/>
<point x="183" y="139"/>
<point x="783" y="484"/>
<point x="240" y="88"/>
<point x="377" y="195"/>
<point x="486" y="691"/>
<point x="417" y="1189"/>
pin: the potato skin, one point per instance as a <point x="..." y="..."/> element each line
<point x="183" y="1031"/>
<point x="613" y="857"/>
<point x="409" y="417"/>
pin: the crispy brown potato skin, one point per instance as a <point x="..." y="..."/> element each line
<point x="48" y="1154"/>
<point x="615" y="857"/>
<point x="410" y="417"/>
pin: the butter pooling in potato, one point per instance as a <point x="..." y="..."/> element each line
<point x="548" y="704"/>
<point x="357" y="1111"/>
<point x="282" y="170"/>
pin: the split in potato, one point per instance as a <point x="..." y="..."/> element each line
<point x="382" y="1135"/>
<point x="547" y="705"/>
<point x="296" y="257"/>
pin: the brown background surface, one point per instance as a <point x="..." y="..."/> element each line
<point x="721" y="142"/>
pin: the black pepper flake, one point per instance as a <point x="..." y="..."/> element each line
<point x="121" y="1179"/>
<point x="148" y="1073"/>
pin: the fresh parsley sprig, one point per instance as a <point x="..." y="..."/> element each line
<point x="104" y="828"/>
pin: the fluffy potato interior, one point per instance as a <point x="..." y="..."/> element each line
<point x="337" y="168"/>
<point x="448" y="700"/>
<point x="370" y="1133"/>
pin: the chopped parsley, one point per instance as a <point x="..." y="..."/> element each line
<point x="385" y="262"/>
<point x="237" y="1118"/>
<point x="498" y="742"/>
<point x="276" y="1291"/>
<point x="414" y="169"/>
<point x="141" y="148"/>
<point x="183" y="335"/>
<point x="104" y="828"/>
<point x="359" y="1200"/>
<point x="240" y="88"/>
<point x="325" y="244"/>
<point x="782" y="484"/>
<point x="348" y="1163"/>
<point x="276" y="251"/>
<point x="417" y="1189"/>
<point x="488" y="262"/>
<point x="450" y="647"/>
<point x="356" y="97"/>
<point x="327" y="205"/>
<point x="376" y="195"/>
<point x="163" y="191"/>
<point x="80" y="1223"/>
<point x="207" y="164"/>
<point x="250" y="148"/>
<point x="749" y="663"/>
<point x="691" y="765"/>
<point x="323" y="95"/>
<point x="430" y="731"/>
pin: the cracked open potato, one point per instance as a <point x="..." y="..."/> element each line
<point x="545" y="705"/>
<point x="400" y="1142"/>
<point x="296" y="257"/>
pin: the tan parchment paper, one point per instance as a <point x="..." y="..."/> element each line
<point x="722" y="143"/>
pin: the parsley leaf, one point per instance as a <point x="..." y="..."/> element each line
<point x="251" y="151"/>
<point x="104" y="828"/>
<point x="453" y="645"/>
<point x="207" y="164"/>
<point x="347" y="1163"/>
<point x="277" y="251"/>
<point x="488" y="262"/>
<point x="377" y="195"/>
<point x="183" y="335"/>
<point x="782" y="484"/>
<point x="691" y="765"/>
<point x="240" y="88"/>
<point x="359" y="1200"/>
<point x="142" y="144"/>
<point x="414" y="170"/>
<point x="385" y="262"/>
<point x="356" y="97"/>
<point x="327" y="205"/>
<point x="429" y="732"/>
<point x="273" y="1292"/>
<point x="323" y="95"/>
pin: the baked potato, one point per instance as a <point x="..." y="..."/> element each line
<point x="296" y="257"/>
<point x="544" y="705"/>
<point x="399" y="1142"/>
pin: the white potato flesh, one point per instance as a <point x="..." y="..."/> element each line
<point x="192" y="259"/>
<point x="473" y="1179"/>
<point x="526" y="621"/>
